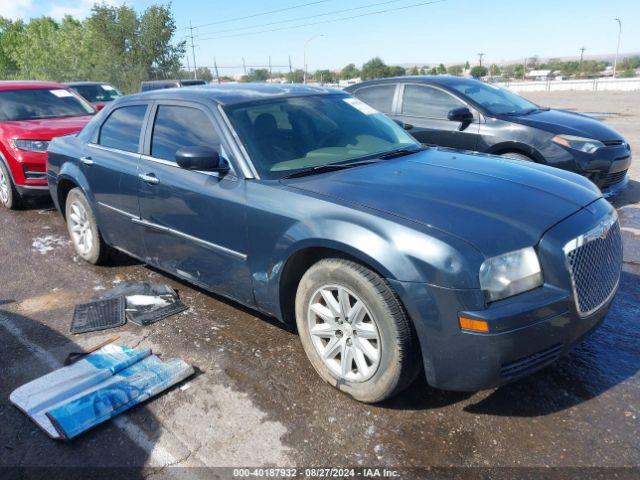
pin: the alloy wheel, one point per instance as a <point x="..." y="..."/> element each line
<point x="80" y="227"/>
<point x="344" y="333"/>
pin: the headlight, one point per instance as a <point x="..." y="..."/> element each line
<point x="587" y="145"/>
<point x="510" y="274"/>
<point x="31" y="145"/>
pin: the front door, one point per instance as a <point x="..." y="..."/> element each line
<point x="110" y="165"/>
<point x="426" y="108"/>
<point x="194" y="221"/>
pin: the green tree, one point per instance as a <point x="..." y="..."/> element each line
<point x="296" y="76"/>
<point x="414" y="71"/>
<point x="9" y="38"/>
<point x="518" y="71"/>
<point x="433" y="71"/>
<point x="374" y="68"/>
<point x="495" y="70"/>
<point x="325" y="76"/>
<point x="348" y="72"/>
<point x="466" y="65"/>
<point x="441" y="70"/>
<point x="455" y="70"/>
<point x="478" y="71"/>
<point x="395" y="71"/>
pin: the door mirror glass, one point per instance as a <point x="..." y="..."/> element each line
<point x="462" y="114"/>
<point x="205" y="159"/>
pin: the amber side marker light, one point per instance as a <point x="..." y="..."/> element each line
<point x="473" y="325"/>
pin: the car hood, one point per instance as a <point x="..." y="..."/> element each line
<point x="44" y="129"/>
<point x="568" y="123"/>
<point x="495" y="204"/>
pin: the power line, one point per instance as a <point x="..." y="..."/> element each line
<point x="306" y="17"/>
<point x="328" y="21"/>
<point x="293" y="7"/>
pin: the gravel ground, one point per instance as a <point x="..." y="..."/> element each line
<point x="256" y="401"/>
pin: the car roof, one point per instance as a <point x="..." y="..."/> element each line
<point x="78" y="84"/>
<point x="444" y="80"/>
<point x="231" y="94"/>
<point x="28" y="84"/>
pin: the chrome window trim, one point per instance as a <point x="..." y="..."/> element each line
<point x="599" y="231"/>
<point x="113" y="150"/>
<point x="204" y="243"/>
<point x="230" y="175"/>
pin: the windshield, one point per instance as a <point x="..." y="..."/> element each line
<point x="33" y="104"/>
<point x="495" y="99"/>
<point x="98" y="93"/>
<point x="287" y="135"/>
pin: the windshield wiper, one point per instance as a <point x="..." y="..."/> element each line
<point x="400" y="152"/>
<point x="331" y="167"/>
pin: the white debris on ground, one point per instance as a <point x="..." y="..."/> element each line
<point x="146" y="301"/>
<point x="48" y="243"/>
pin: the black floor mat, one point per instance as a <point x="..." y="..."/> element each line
<point x="144" y="318"/>
<point x="162" y="301"/>
<point x="99" y="315"/>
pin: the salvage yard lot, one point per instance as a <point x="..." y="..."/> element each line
<point x="256" y="400"/>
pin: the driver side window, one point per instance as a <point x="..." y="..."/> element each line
<point x="429" y="102"/>
<point x="176" y="127"/>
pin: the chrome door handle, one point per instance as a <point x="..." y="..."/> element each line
<point x="87" y="161"/>
<point x="149" y="178"/>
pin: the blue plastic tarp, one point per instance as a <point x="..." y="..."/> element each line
<point x="73" y="399"/>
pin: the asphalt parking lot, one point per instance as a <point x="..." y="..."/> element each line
<point x="256" y="400"/>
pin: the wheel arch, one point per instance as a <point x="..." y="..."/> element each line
<point x="300" y="260"/>
<point x="517" y="147"/>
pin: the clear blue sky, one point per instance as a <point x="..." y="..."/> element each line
<point x="451" y="31"/>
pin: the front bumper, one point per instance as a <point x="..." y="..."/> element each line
<point x="526" y="332"/>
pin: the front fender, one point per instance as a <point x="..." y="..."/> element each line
<point x="394" y="251"/>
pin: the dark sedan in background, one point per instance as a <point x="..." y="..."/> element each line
<point x="468" y="114"/>
<point x="309" y="205"/>
<point x="98" y="93"/>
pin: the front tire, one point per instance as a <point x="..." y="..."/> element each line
<point x="354" y="330"/>
<point x="9" y="196"/>
<point x="83" y="229"/>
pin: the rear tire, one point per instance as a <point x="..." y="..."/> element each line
<point x="83" y="229"/>
<point x="517" y="156"/>
<point x="354" y="330"/>
<point x="9" y="196"/>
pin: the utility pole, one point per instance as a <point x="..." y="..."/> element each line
<point x="524" y="70"/>
<point x="244" y="66"/>
<point x="480" y="55"/>
<point x="193" y="51"/>
<point x="582" y="49"/>
<point x="290" y="70"/>
<point x="215" y="67"/>
<point x="270" y="72"/>
<point x="615" y="62"/>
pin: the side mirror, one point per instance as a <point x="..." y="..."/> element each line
<point x="462" y="114"/>
<point x="205" y="159"/>
<point x="406" y="126"/>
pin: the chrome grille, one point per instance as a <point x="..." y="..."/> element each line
<point x="595" y="261"/>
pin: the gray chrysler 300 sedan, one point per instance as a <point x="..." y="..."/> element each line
<point x="308" y="205"/>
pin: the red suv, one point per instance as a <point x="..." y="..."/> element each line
<point x="31" y="114"/>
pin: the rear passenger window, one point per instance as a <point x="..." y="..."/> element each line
<point x="178" y="127"/>
<point x="423" y="101"/>
<point x="380" y="97"/>
<point x="122" y="128"/>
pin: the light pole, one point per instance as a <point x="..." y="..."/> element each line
<point x="304" y="73"/>
<point x="615" y="62"/>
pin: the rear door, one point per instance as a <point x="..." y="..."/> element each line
<point x="426" y="108"/>
<point x="110" y="164"/>
<point x="194" y="222"/>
